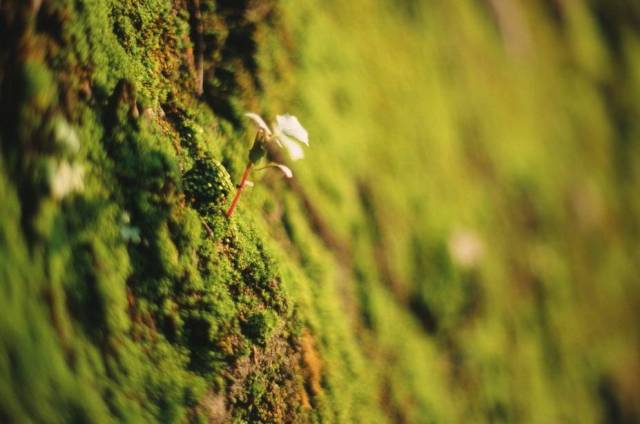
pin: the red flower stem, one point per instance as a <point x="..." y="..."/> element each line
<point x="243" y="180"/>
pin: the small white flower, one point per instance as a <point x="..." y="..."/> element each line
<point x="287" y="132"/>
<point x="466" y="248"/>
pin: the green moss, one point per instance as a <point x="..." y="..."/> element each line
<point x="260" y="326"/>
<point x="343" y="296"/>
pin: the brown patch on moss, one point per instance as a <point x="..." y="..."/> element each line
<point x="394" y="411"/>
<point x="230" y="343"/>
<point x="312" y="364"/>
<point x="214" y="407"/>
<point x="266" y="386"/>
<point x="143" y="326"/>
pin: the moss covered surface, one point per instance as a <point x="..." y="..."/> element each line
<point x="459" y="245"/>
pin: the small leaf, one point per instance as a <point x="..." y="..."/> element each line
<point x="285" y="169"/>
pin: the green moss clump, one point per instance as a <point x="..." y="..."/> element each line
<point x="141" y="286"/>
<point x="207" y="185"/>
<point x="435" y="258"/>
<point x="260" y="326"/>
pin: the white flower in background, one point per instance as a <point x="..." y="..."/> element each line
<point x="65" y="179"/>
<point x="466" y="248"/>
<point x="65" y="137"/>
<point x="287" y="132"/>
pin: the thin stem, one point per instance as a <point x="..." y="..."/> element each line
<point x="243" y="180"/>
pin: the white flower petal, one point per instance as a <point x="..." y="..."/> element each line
<point x="66" y="136"/>
<point x="257" y="119"/>
<point x="66" y="179"/>
<point x="290" y="126"/>
<point x="466" y="248"/>
<point x="285" y="169"/>
<point x="294" y="149"/>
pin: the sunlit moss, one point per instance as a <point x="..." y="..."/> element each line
<point x="347" y="294"/>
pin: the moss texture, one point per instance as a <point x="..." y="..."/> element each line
<point x="460" y="244"/>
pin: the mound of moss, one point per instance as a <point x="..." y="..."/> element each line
<point x="127" y="293"/>
<point x="459" y="244"/>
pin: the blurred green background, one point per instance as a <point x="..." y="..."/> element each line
<point x="460" y="243"/>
